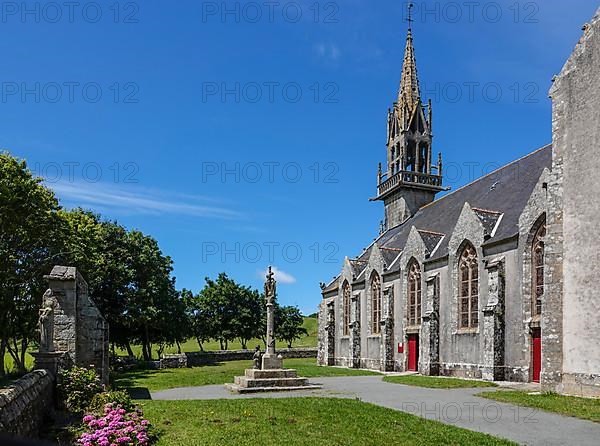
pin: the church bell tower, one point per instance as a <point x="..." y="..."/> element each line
<point x="411" y="180"/>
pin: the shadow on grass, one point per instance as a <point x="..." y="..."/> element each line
<point x="126" y="380"/>
<point x="139" y="393"/>
<point x="133" y="380"/>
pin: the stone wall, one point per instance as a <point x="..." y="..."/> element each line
<point x="25" y="404"/>
<point x="570" y="344"/>
<point x="195" y="359"/>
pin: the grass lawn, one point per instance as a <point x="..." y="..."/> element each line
<point x="9" y="364"/>
<point x="299" y="421"/>
<point x="219" y="373"/>
<point x="584" y="408"/>
<point x="436" y="382"/>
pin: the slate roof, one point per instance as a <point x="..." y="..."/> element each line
<point x="489" y="219"/>
<point x="333" y="285"/>
<point x="358" y="267"/>
<point x="498" y="199"/>
<point x="431" y="239"/>
<point x="389" y="255"/>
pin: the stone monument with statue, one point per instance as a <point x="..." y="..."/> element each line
<point x="271" y="376"/>
<point x="71" y="329"/>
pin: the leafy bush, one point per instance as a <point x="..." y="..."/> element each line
<point x="77" y="387"/>
<point x="118" y="398"/>
<point x="115" y="426"/>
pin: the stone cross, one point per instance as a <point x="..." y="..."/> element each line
<point x="270" y="359"/>
<point x="270" y="291"/>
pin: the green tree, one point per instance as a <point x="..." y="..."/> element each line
<point x="226" y="310"/>
<point x="130" y="281"/>
<point x="28" y="233"/>
<point x="151" y="292"/>
<point x="219" y="309"/>
<point x="100" y="251"/>
<point x="198" y="317"/>
<point x="128" y="276"/>
<point x="246" y="324"/>
<point x="289" y="327"/>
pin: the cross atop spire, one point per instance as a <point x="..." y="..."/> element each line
<point x="410" y="19"/>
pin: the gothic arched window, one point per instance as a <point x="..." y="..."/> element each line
<point x="375" y="303"/>
<point x="468" y="291"/>
<point x="414" y="294"/>
<point x="346" y="305"/>
<point x="537" y="269"/>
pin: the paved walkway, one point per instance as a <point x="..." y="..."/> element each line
<point x="458" y="407"/>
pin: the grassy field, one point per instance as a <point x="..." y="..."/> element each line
<point x="584" y="408"/>
<point x="220" y="373"/>
<point x="192" y="345"/>
<point x="10" y="365"/>
<point x="299" y="421"/>
<point x="436" y="382"/>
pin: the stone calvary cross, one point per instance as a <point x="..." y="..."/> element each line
<point x="272" y="377"/>
<point x="270" y="359"/>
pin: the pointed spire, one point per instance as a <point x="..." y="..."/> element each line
<point x="409" y="93"/>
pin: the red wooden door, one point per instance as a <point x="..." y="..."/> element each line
<point x="536" y="360"/>
<point x="413" y="352"/>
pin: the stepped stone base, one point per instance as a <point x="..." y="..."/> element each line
<point x="276" y="380"/>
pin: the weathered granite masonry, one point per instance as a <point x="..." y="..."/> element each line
<point x="387" y="331"/>
<point x="25" y="404"/>
<point x="79" y="331"/>
<point x="493" y="323"/>
<point x="355" y="331"/>
<point x="570" y="325"/>
<point x="326" y="333"/>
<point x="430" y="329"/>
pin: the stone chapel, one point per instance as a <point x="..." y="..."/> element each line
<point x="496" y="280"/>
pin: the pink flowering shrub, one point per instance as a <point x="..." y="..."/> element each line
<point x="116" y="427"/>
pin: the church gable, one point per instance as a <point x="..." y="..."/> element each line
<point x="376" y="261"/>
<point x="414" y="248"/>
<point x="536" y="205"/>
<point x="468" y="228"/>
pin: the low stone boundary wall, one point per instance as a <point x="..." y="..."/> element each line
<point x="195" y="359"/>
<point x="25" y="403"/>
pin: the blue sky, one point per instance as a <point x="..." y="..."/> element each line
<point x="243" y="134"/>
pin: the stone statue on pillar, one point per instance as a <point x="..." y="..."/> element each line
<point x="47" y="357"/>
<point x="257" y="358"/>
<point x="270" y="360"/>
<point x="46" y="323"/>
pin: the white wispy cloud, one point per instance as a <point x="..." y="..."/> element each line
<point x="280" y="276"/>
<point x="131" y="198"/>
<point x="328" y="51"/>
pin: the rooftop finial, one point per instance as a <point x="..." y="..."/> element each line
<point x="410" y="19"/>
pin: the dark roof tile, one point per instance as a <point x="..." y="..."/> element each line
<point x="505" y="190"/>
